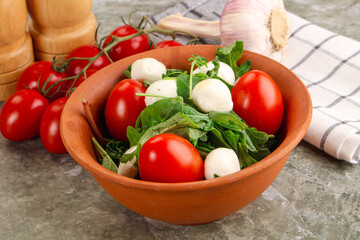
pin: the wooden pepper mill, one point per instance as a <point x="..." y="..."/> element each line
<point x="59" y="26"/>
<point x="16" y="49"/>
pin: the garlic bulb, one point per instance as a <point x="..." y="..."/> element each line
<point x="261" y="24"/>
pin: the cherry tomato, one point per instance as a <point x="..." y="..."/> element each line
<point x="75" y="66"/>
<point x="21" y="114"/>
<point x="257" y="99"/>
<point x="170" y="158"/>
<point x="39" y="72"/>
<point x="167" y="43"/>
<point x="50" y="127"/>
<point x="128" y="47"/>
<point x="123" y="107"/>
<point x="80" y="80"/>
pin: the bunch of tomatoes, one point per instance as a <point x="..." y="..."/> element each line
<point x="41" y="91"/>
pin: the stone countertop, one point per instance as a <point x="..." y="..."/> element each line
<point x="47" y="196"/>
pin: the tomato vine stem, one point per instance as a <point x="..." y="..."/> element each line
<point x="115" y="40"/>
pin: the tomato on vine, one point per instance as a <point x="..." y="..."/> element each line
<point x="87" y="51"/>
<point x="21" y="114"/>
<point x="35" y="76"/>
<point x="129" y="47"/>
<point x="167" y="43"/>
<point x="80" y="80"/>
<point x="50" y="127"/>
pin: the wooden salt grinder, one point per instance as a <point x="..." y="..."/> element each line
<point x="16" y="49"/>
<point x="59" y="26"/>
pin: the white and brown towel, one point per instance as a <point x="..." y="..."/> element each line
<point x="329" y="66"/>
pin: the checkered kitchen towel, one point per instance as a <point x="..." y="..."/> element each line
<point x="329" y="66"/>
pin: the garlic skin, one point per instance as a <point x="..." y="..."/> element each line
<point x="262" y="26"/>
<point x="222" y="162"/>
<point x="128" y="169"/>
<point x="166" y="88"/>
<point x="225" y="72"/>
<point x="147" y="69"/>
<point x="212" y="95"/>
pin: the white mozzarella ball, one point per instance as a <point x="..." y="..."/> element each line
<point x="212" y="95"/>
<point x="128" y="169"/>
<point x="221" y="162"/>
<point x="165" y="88"/>
<point x="225" y="72"/>
<point x="147" y="69"/>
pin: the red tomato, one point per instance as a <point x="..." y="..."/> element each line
<point x="123" y="107"/>
<point x="170" y="158"/>
<point x="257" y="99"/>
<point x="88" y="51"/>
<point x="80" y="80"/>
<point x="39" y="72"/>
<point x="21" y="114"/>
<point x="167" y="43"/>
<point x="50" y="127"/>
<point x="128" y="47"/>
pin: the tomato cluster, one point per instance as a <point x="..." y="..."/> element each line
<point x="43" y="89"/>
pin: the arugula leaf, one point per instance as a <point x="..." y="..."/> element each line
<point x="216" y="139"/>
<point x="243" y="68"/>
<point x="198" y="61"/>
<point x="233" y="139"/>
<point x="173" y="73"/>
<point x="127" y="72"/>
<point x="116" y="149"/>
<point x="245" y="159"/>
<point x="231" y="54"/>
<point x="213" y="72"/>
<point x="106" y="160"/>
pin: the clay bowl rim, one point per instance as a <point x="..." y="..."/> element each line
<point x="286" y="146"/>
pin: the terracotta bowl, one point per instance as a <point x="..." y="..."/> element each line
<point x="193" y="202"/>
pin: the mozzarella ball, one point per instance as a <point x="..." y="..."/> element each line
<point x="165" y="88"/>
<point x="128" y="169"/>
<point x="147" y="69"/>
<point x="225" y="72"/>
<point x="221" y="162"/>
<point x="212" y="95"/>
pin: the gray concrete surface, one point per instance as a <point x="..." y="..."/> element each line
<point x="47" y="196"/>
